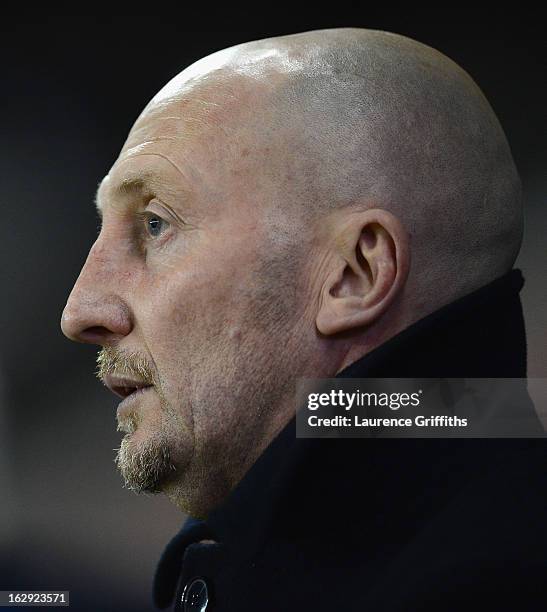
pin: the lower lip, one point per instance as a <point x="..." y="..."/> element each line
<point x="128" y="402"/>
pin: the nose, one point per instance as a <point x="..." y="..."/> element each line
<point x="95" y="312"/>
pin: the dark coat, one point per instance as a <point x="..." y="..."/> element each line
<point x="385" y="525"/>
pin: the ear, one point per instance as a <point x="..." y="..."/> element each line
<point x="368" y="268"/>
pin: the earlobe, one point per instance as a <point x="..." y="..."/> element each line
<point x="368" y="269"/>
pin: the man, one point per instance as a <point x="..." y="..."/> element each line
<point x="334" y="203"/>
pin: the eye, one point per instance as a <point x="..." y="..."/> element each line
<point x="154" y="225"/>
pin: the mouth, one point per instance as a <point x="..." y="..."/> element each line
<point x="124" y="387"/>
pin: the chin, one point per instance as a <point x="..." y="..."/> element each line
<point x="145" y="462"/>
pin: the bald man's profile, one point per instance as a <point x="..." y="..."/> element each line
<point x="333" y="204"/>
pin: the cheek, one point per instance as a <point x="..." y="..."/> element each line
<point x="189" y="304"/>
<point x="204" y="290"/>
<point x="184" y="311"/>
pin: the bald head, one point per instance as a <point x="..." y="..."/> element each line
<point x="361" y="119"/>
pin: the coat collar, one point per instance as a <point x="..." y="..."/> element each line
<point x="479" y="335"/>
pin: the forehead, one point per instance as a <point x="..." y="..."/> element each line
<point x="190" y="142"/>
<point x="210" y="107"/>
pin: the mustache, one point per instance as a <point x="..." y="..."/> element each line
<point x="118" y="363"/>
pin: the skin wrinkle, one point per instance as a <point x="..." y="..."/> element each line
<point x="345" y="183"/>
<point x="131" y="155"/>
<point x="164" y="138"/>
<point x="132" y="185"/>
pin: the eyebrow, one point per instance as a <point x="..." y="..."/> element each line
<point x="137" y="184"/>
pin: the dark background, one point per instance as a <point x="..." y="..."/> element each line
<point x="71" y="89"/>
